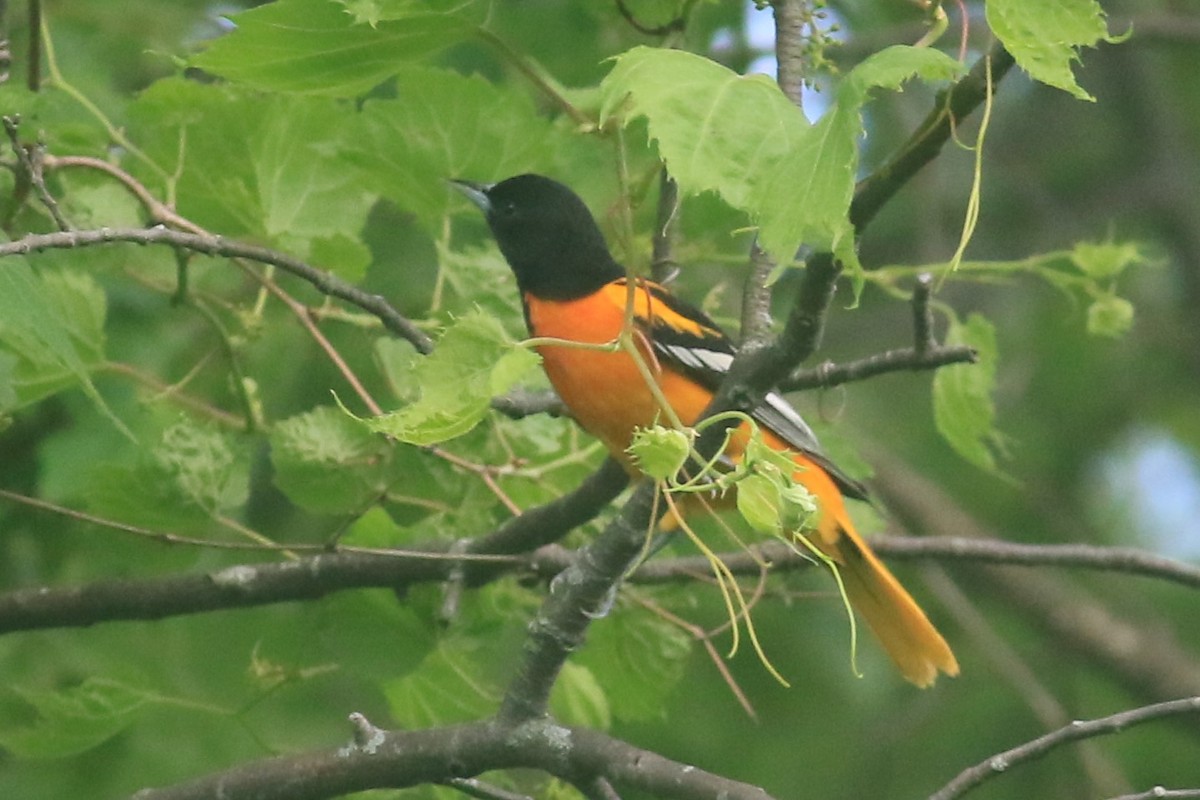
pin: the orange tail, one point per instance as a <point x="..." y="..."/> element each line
<point x="893" y="616"/>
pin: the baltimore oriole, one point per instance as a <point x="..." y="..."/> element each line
<point x="573" y="289"/>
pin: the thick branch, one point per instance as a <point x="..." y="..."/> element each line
<point x="1077" y="731"/>
<point x="324" y="282"/>
<point x="315" y="576"/>
<point x="579" y="594"/>
<point x="971" y="551"/>
<point x="306" y="578"/>
<point x="398" y="759"/>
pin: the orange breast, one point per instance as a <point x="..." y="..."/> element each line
<point x="608" y="396"/>
<point x="604" y="390"/>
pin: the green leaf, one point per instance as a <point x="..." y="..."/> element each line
<point x="1109" y="315"/>
<point x="474" y="361"/>
<point x="578" y="698"/>
<point x="716" y="130"/>
<point x="304" y="189"/>
<point x="52" y="327"/>
<point x="444" y="125"/>
<point x="806" y="198"/>
<point x="1045" y="37"/>
<point x="71" y="721"/>
<point x="643" y="655"/>
<point x="285" y="182"/>
<point x="206" y="465"/>
<point x="317" y="47"/>
<point x="343" y="255"/>
<point x="352" y="625"/>
<point x="739" y="136"/>
<point x="374" y="11"/>
<point x="479" y="277"/>
<point x="375" y="528"/>
<point x="1102" y="260"/>
<point x="454" y="683"/>
<point x="327" y="463"/>
<point x="962" y="395"/>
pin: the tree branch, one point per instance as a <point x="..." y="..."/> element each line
<point x="903" y="548"/>
<point x="1161" y="793"/>
<point x="1082" y="556"/>
<point x="316" y="576"/>
<point x="325" y="282"/>
<point x="397" y="759"/>
<point x="579" y="594"/>
<point x="1077" y="731"/>
<point x="307" y="578"/>
<point x="910" y="359"/>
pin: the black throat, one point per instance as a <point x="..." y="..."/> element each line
<point x="549" y="238"/>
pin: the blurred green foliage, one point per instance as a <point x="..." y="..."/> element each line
<point x="329" y="138"/>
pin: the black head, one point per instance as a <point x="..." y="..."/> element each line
<point x="547" y="234"/>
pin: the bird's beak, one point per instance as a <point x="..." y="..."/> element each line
<point x="475" y="192"/>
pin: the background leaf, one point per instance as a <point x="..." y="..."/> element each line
<point x="962" y="395"/>
<point x="1045" y="37"/>
<point x="74" y="720"/>
<point x="316" y="47"/>
<point x="443" y="125"/>
<point x="474" y="361"/>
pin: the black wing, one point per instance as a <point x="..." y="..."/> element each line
<point x="703" y="352"/>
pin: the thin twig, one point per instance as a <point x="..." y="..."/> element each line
<point x="922" y="312"/>
<point x="828" y="374"/>
<point x="990" y="767"/>
<point x="1161" y="793"/>
<point x="978" y="551"/>
<point x="34" y="79"/>
<point x="666" y="222"/>
<point x="30" y="158"/>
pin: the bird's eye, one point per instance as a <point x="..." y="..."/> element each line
<point x="506" y="209"/>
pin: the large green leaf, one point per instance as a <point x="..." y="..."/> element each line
<point x="474" y="361"/>
<point x="443" y="125"/>
<point x="643" y="655"/>
<point x="716" y="130"/>
<point x="71" y="721"/>
<point x="739" y="136"/>
<point x="321" y="47"/>
<point x="192" y="473"/>
<point x="285" y="182"/>
<point x="51" y="333"/>
<point x="806" y="199"/>
<point x="327" y="463"/>
<point x="1044" y="36"/>
<point x="962" y="394"/>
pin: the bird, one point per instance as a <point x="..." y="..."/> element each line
<point x="573" y="289"/>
